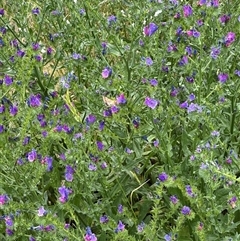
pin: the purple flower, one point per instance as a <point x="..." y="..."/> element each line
<point x="90" y="119"/>
<point x="14" y="43"/>
<point x="104" y="219"/>
<point x="121" y="99"/>
<point x="187" y="11"/>
<point x="31" y="238"/>
<point x="100" y="145"/>
<point x="38" y="58"/>
<point x="89" y="236"/>
<point x="64" y="192"/>
<point x="150" y="29"/>
<point x="233" y="201"/>
<point x="2" y="109"/>
<point x="32" y="155"/>
<point x="41" y="212"/>
<point x="69" y="171"/>
<point x="168" y="237"/>
<point x="49" y="51"/>
<point x="153" y="82"/>
<point x="163" y="177"/>
<point x="189" y="191"/>
<point x="151" y="103"/>
<point x="224" y="18"/>
<point x="20" y="53"/>
<point x="9" y="232"/>
<point x="194" y="107"/>
<point x="34" y="100"/>
<point x="120" y="208"/>
<point x="76" y="56"/>
<point x="49" y="161"/>
<point x="183" y="105"/>
<point x="101" y="125"/>
<point x="141" y="43"/>
<point x="1" y="12"/>
<point x="120" y="227"/>
<point x="35" y="46"/>
<point x="26" y="140"/>
<point x="129" y="151"/>
<point x="35" y="11"/>
<point x="215" y="51"/>
<point x="229" y="38"/>
<point x="222" y="77"/>
<point x="236" y="72"/>
<point x="215" y="133"/>
<point x="3" y="199"/>
<point x="156" y="143"/>
<point x="140" y="227"/>
<point x="8" y="80"/>
<point x="13" y="110"/>
<point x="148" y="61"/>
<point x="202" y="2"/>
<point x="2" y="128"/>
<point x="186" y="210"/>
<point x="107" y="72"/>
<point x="114" y="109"/>
<point x="183" y="61"/>
<point x="191" y="97"/>
<point x="171" y="47"/>
<point x="82" y="11"/>
<point x="104" y="165"/>
<point x="107" y="113"/>
<point x="174" y="199"/>
<point x="92" y="167"/>
<point x="111" y="20"/>
<point x="200" y="22"/>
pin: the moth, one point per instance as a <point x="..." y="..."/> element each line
<point x="109" y="102"/>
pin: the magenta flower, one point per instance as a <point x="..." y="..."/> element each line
<point x="150" y="29"/>
<point x="222" y="77"/>
<point x="224" y="18"/>
<point x="3" y="199"/>
<point x="89" y="236"/>
<point x="107" y="72"/>
<point x="121" y="99"/>
<point x="151" y="103"/>
<point x="187" y="11"/>
<point x="229" y="38"/>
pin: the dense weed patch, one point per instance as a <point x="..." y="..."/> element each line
<point x="119" y="120"/>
